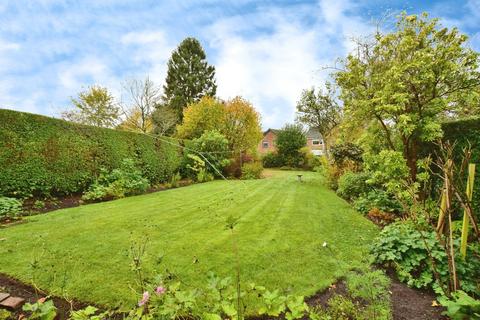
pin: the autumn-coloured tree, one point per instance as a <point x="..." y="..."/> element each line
<point x="242" y="125"/>
<point x="134" y="121"/>
<point x="94" y="106"/>
<point x="236" y="119"/>
<point x="205" y="115"/>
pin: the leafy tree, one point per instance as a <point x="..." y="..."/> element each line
<point x="95" y="107"/>
<point x="189" y="76"/>
<point x="205" y="115"/>
<point x="289" y="142"/>
<point x="407" y="81"/>
<point x="236" y="119"/>
<point x="319" y="110"/>
<point x="214" y="147"/>
<point x="144" y="97"/>
<point x="242" y="125"/>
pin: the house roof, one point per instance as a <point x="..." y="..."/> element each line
<point x="313" y="133"/>
<point x="270" y="130"/>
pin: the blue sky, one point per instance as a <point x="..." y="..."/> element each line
<point x="266" y="51"/>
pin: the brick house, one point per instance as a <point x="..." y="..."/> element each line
<point x="267" y="144"/>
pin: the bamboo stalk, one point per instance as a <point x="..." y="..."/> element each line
<point x="466" y="218"/>
<point x="443" y="209"/>
<point x="443" y="202"/>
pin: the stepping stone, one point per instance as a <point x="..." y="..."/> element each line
<point x="12" y="303"/>
<point x="3" y="296"/>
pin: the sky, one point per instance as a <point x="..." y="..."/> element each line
<point x="264" y="51"/>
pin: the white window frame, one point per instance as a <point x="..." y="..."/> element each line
<point x="265" y="144"/>
<point x="319" y="142"/>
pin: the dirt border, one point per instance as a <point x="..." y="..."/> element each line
<point x="407" y="303"/>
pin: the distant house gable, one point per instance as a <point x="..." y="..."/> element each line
<point x="268" y="142"/>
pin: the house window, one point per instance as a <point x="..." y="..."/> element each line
<point x="265" y="144"/>
<point x="316" y="142"/>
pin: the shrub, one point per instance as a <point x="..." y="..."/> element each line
<point x="351" y="185"/>
<point x="214" y="147"/>
<point x="204" y="176"/>
<point x="191" y="165"/>
<point x="309" y="160"/>
<point x="127" y="180"/>
<point x="9" y="207"/>
<point x="380" y="217"/>
<point x="252" y="170"/>
<point x="346" y="151"/>
<point x="378" y="199"/>
<point x="44" y="156"/>
<point x="272" y="160"/>
<point x="174" y="181"/>
<point x="461" y="306"/>
<point x="402" y="246"/>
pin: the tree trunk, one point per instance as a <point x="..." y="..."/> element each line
<point x="411" y="156"/>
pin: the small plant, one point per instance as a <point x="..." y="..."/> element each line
<point x="43" y="309"/>
<point x="9" y="207"/>
<point x="252" y="170"/>
<point x="204" y="176"/>
<point x="39" y="204"/>
<point x="380" y="217"/>
<point x="175" y="179"/>
<point x="89" y="313"/>
<point x="372" y="287"/>
<point x="120" y="182"/>
<point x="461" y="306"/>
<point x="5" y="315"/>
<point x="377" y="199"/>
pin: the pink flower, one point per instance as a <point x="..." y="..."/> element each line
<point x="145" y="298"/>
<point x="160" y="290"/>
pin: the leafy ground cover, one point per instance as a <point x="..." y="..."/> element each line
<point x="85" y="252"/>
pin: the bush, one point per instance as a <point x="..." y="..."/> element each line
<point x="44" y="156"/>
<point x="252" y="170"/>
<point x="9" y="207"/>
<point x="214" y="147"/>
<point x="204" y="176"/>
<point x="272" y="160"/>
<point x="309" y="160"/>
<point x="175" y="180"/>
<point x="127" y="180"/>
<point x="289" y="142"/>
<point x="402" y="246"/>
<point x="346" y="152"/>
<point x="351" y="185"/>
<point x="377" y="199"/>
<point x="191" y="165"/>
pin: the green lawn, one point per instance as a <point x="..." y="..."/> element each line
<point x="84" y="251"/>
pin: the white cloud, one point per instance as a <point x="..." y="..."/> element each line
<point x="151" y="51"/>
<point x="272" y="69"/>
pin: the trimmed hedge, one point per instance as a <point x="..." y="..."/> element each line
<point x="46" y="156"/>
